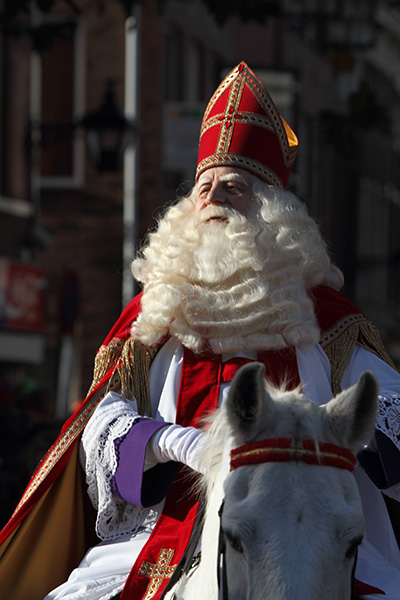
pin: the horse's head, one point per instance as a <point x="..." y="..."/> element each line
<point x="292" y="526"/>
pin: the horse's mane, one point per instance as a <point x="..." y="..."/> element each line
<point x="219" y="443"/>
<point x="220" y="438"/>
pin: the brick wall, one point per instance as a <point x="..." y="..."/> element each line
<point x="87" y="222"/>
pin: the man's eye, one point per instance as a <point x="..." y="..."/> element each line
<point x="233" y="188"/>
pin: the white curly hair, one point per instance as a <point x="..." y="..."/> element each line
<point x="241" y="284"/>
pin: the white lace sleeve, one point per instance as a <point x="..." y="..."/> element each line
<point x="388" y="422"/>
<point x="112" y="419"/>
<point x="388" y="415"/>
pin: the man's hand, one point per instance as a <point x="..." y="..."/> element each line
<point x="177" y="443"/>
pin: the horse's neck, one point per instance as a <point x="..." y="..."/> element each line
<point x="203" y="583"/>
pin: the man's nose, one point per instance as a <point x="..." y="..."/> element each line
<point x="216" y="195"/>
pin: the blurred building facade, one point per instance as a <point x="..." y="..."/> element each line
<point x="65" y="226"/>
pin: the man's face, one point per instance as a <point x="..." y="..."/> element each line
<point x="226" y="187"/>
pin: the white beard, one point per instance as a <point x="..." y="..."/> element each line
<point x="222" y="285"/>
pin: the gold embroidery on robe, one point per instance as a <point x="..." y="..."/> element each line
<point x="340" y="341"/>
<point x="131" y="362"/>
<point x="157" y="573"/>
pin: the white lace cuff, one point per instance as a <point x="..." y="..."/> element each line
<point x="112" y="419"/>
<point x="388" y="422"/>
<point x="388" y="418"/>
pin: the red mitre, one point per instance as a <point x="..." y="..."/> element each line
<point x="242" y="128"/>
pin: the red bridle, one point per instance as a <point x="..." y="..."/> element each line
<point x="285" y="450"/>
<point x="281" y="450"/>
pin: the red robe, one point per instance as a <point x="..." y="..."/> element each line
<point x="53" y="525"/>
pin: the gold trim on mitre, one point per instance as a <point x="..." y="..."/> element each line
<point x="292" y="141"/>
<point x="242" y="125"/>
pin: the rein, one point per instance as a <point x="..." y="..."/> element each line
<point x="281" y="450"/>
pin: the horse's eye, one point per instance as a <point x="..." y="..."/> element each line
<point x="234" y="541"/>
<point x="352" y="548"/>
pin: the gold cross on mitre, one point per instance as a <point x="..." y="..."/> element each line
<point x="158" y="572"/>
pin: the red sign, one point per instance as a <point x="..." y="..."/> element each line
<point x="21" y="296"/>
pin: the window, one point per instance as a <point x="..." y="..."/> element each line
<point x="195" y="71"/>
<point x="61" y="150"/>
<point x="174" y="64"/>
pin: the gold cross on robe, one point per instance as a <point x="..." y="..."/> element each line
<point x="158" y="572"/>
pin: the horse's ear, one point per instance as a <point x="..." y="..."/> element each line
<point x="352" y="413"/>
<point x="246" y="401"/>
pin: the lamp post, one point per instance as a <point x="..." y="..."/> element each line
<point x="108" y="133"/>
<point x="131" y="156"/>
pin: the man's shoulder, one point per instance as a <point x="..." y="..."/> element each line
<point x="331" y="307"/>
<point x="121" y="328"/>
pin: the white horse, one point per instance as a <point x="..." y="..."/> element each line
<point x="292" y="517"/>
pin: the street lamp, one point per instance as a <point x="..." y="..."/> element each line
<point x="108" y="133"/>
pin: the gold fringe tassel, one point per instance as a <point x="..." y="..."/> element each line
<point x="131" y="361"/>
<point x="370" y="338"/>
<point x="133" y="369"/>
<point x="106" y="358"/>
<point x="340" y="350"/>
